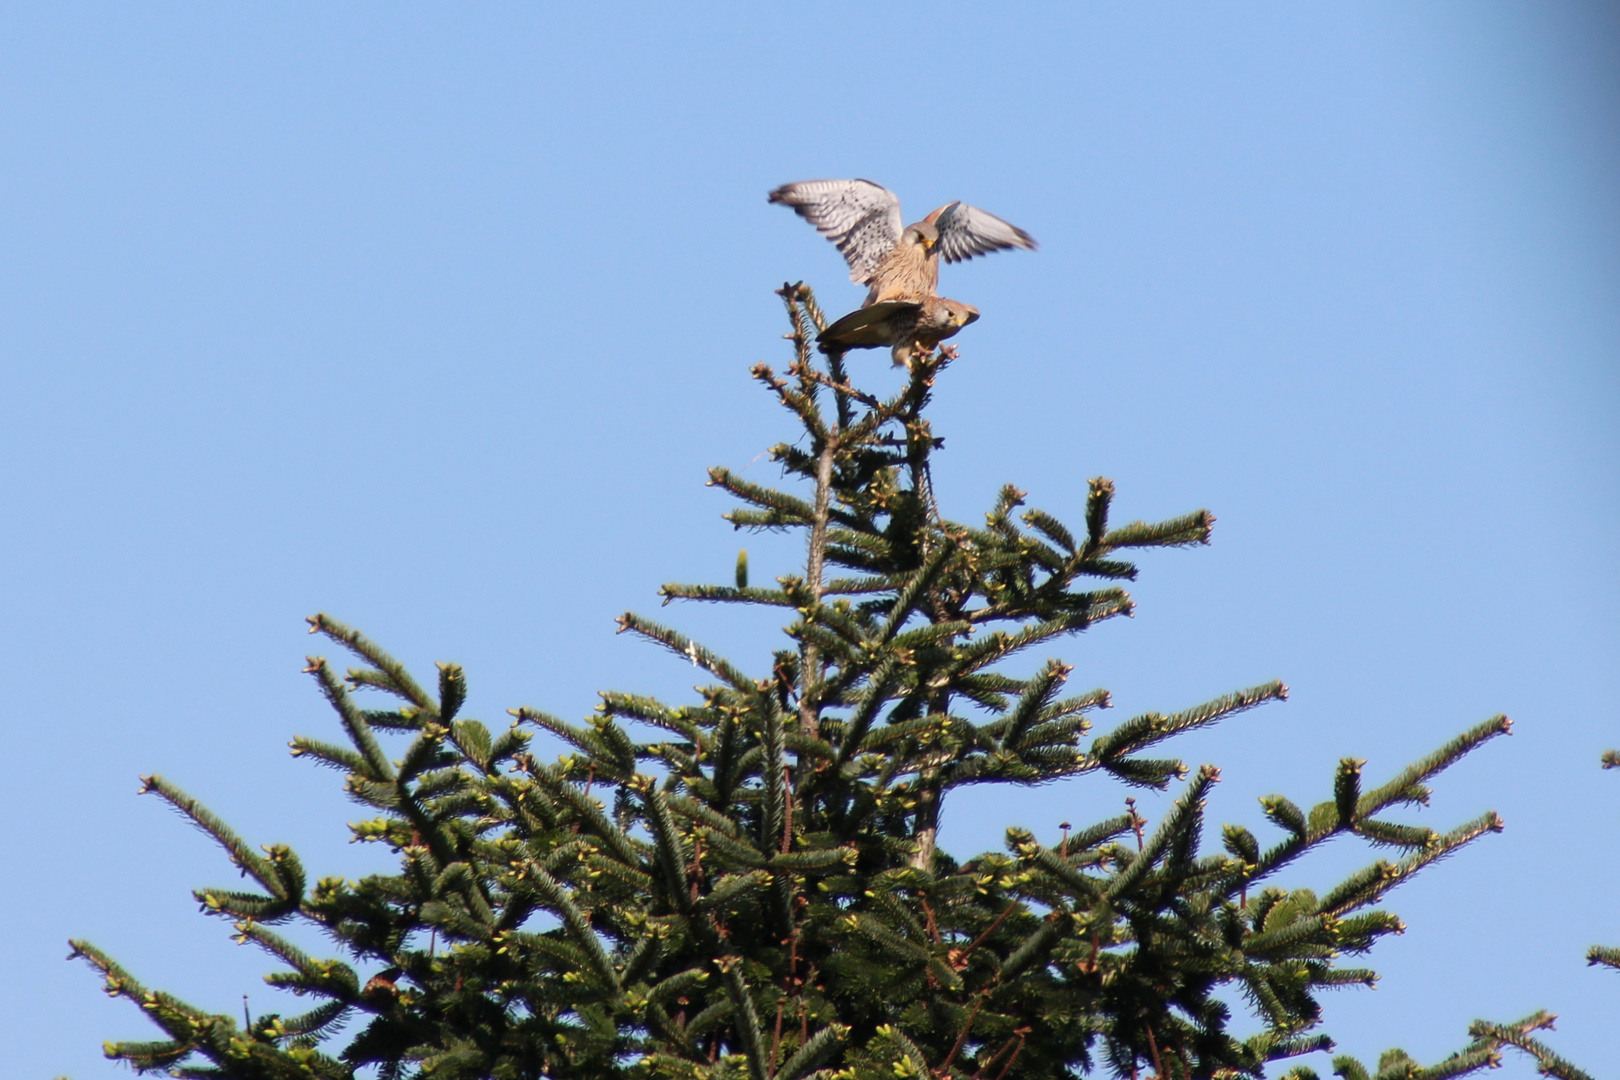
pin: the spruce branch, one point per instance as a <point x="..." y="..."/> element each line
<point x="681" y="645"/>
<point x="1606" y="955"/>
<point x="337" y="757"/>
<point x="1517" y="1035"/>
<point x="328" y="978"/>
<point x="280" y="872"/>
<point x="1193" y="528"/>
<point x="815" y="1050"/>
<point x="1407" y="785"/>
<point x="393" y="676"/>
<point x="785" y="508"/>
<point x="811" y="671"/>
<point x="746" y="1018"/>
<point x="1484" y="1052"/>
<point x="1184" y="817"/>
<point x="378" y="769"/>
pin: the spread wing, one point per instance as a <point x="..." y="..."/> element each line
<point x="861" y="217"/>
<point x="966" y="231"/>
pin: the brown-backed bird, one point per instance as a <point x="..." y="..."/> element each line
<point x="903" y="325"/>
<point x="895" y="262"/>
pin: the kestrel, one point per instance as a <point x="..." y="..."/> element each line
<point x="901" y="324"/>
<point x="895" y="263"/>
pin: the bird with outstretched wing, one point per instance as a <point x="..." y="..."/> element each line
<point x="896" y="262"/>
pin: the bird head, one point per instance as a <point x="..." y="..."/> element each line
<point x="925" y="234"/>
<point x="960" y="314"/>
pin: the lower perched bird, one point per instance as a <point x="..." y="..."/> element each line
<point x="903" y="325"/>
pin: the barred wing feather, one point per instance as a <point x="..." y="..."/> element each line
<point x="861" y="217"/>
<point x="966" y="231"/>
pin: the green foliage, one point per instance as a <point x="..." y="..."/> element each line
<point x="748" y="887"/>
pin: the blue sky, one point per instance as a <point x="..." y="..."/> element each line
<point x="432" y="317"/>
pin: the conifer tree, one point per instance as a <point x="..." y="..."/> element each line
<point x="749" y="886"/>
